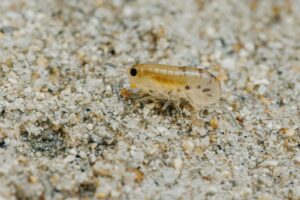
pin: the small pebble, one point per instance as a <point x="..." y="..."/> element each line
<point x="214" y="123"/>
<point x="139" y="175"/>
<point x="188" y="145"/>
<point x="287" y="132"/>
<point x="177" y="163"/>
<point x="161" y="129"/>
<point x="33" y="179"/>
<point x="90" y="127"/>
<point x="228" y="63"/>
<point x="262" y="89"/>
<point x="69" y="158"/>
<point x="132" y="123"/>
<point x="205" y="142"/>
<point x="82" y="154"/>
<point x="169" y="175"/>
<point x="269" y="163"/>
<point x="102" y="169"/>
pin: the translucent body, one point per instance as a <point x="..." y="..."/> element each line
<point x="197" y="86"/>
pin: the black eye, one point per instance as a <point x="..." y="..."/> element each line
<point x="133" y="72"/>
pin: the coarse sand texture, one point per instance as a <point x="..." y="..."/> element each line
<point x="72" y="128"/>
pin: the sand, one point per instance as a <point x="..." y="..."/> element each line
<point x="71" y="129"/>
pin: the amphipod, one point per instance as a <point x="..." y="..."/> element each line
<point x="197" y="86"/>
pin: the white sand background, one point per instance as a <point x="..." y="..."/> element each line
<point x="67" y="133"/>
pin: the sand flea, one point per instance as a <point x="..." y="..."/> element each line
<point x="197" y="86"/>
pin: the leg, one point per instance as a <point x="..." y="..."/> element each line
<point x="166" y="104"/>
<point x="177" y="106"/>
<point x="200" y="110"/>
